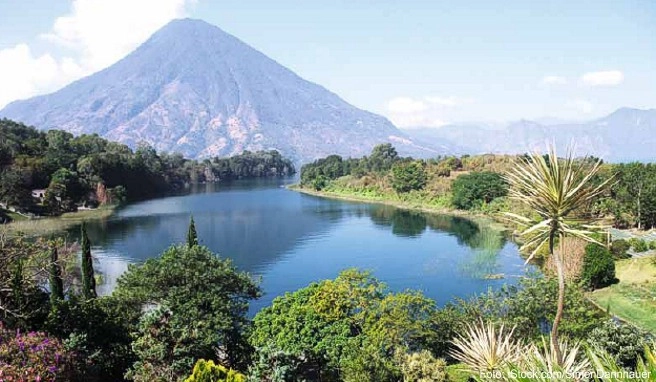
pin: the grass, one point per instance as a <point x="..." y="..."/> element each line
<point x="633" y="299"/>
<point x="46" y="226"/>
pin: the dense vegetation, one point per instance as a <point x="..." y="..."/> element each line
<point x="475" y="183"/>
<point x="183" y="316"/>
<point x="91" y="170"/>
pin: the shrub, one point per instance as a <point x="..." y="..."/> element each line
<point x="473" y="190"/>
<point x="421" y="367"/>
<point x="638" y="245"/>
<point x="484" y="348"/>
<point x="598" y="267"/>
<point x="623" y="342"/>
<point x="33" y="357"/>
<point x="619" y="249"/>
<point x="408" y="176"/>
<point x="208" y="371"/>
<point x="652" y="245"/>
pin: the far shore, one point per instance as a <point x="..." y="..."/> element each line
<point x="476" y="216"/>
<point x="44" y="226"/>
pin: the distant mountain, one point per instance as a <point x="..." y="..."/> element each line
<point x="625" y="135"/>
<point x="195" y="89"/>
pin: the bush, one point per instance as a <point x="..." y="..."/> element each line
<point x="422" y="367"/>
<point x="598" y="267"/>
<point x="208" y="371"/>
<point x="208" y="301"/>
<point x="638" y="245"/>
<point x="619" y="249"/>
<point x="477" y="188"/>
<point x="408" y="176"/>
<point x="652" y="245"/>
<point x="623" y="342"/>
<point x="33" y="357"/>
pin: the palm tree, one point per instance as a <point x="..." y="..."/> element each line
<point x="555" y="190"/>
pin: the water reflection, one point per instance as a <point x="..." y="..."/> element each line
<point x="292" y="239"/>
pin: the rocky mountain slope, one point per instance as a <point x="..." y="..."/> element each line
<point x="194" y="89"/>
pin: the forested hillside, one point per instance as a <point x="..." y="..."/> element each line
<point x="475" y="183"/>
<point x="54" y="172"/>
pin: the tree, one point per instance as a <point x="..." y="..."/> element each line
<point x="598" y="267"/>
<point x="348" y="328"/>
<point x="55" y="277"/>
<point x="88" y="276"/>
<point x="408" y="176"/>
<point x="204" y="294"/>
<point x="382" y="157"/>
<point x="555" y="190"/>
<point x="192" y="237"/>
<point x="208" y="371"/>
<point x="477" y="188"/>
<point x="13" y="188"/>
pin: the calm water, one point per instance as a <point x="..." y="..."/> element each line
<point x="291" y="239"/>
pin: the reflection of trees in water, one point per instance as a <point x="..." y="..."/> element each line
<point x="485" y="241"/>
<point x="404" y="223"/>
<point x="487" y="244"/>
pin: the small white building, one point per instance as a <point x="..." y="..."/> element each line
<point x="39" y="194"/>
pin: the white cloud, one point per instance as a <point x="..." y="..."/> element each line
<point x="581" y="105"/>
<point x="429" y="111"/>
<point x="96" y="32"/>
<point x="451" y="101"/>
<point x="554" y="80"/>
<point x="24" y="74"/>
<point x="603" y="78"/>
<point x="406" y="105"/>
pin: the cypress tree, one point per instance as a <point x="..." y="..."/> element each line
<point x="88" y="279"/>
<point x="55" y="276"/>
<point x="192" y="237"/>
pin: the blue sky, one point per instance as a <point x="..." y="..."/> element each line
<point x="417" y="62"/>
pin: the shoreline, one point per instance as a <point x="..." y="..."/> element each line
<point x="52" y="225"/>
<point x="476" y="216"/>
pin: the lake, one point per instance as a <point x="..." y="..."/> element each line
<point x="290" y="240"/>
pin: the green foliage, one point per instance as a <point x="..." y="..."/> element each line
<point x="72" y="167"/>
<point x="634" y="194"/>
<point x="422" y="367"/>
<point x="408" y="176"/>
<point x="208" y="371"/>
<point x="473" y="190"/>
<point x="273" y="365"/>
<point x="165" y="351"/>
<point x="88" y="275"/>
<point x="638" y="245"/>
<point x="55" y="277"/>
<point x="382" y="157"/>
<point x="205" y="295"/>
<point x="33" y="356"/>
<point x="23" y="304"/>
<point x="192" y="236"/>
<point x="598" y="269"/>
<point x="531" y="306"/>
<point x="623" y="342"/>
<point x="347" y="328"/>
<point x="98" y="332"/>
<point x="619" y="249"/>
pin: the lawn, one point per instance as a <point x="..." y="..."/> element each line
<point x="46" y="226"/>
<point x="634" y="298"/>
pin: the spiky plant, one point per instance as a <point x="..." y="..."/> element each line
<point x="544" y="358"/>
<point x="607" y="369"/>
<point x="483" y="348"/>
<point x="554" y="190"/>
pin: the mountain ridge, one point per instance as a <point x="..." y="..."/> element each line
<point x="627" y="134"/>
<point x="198" y="90"/>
